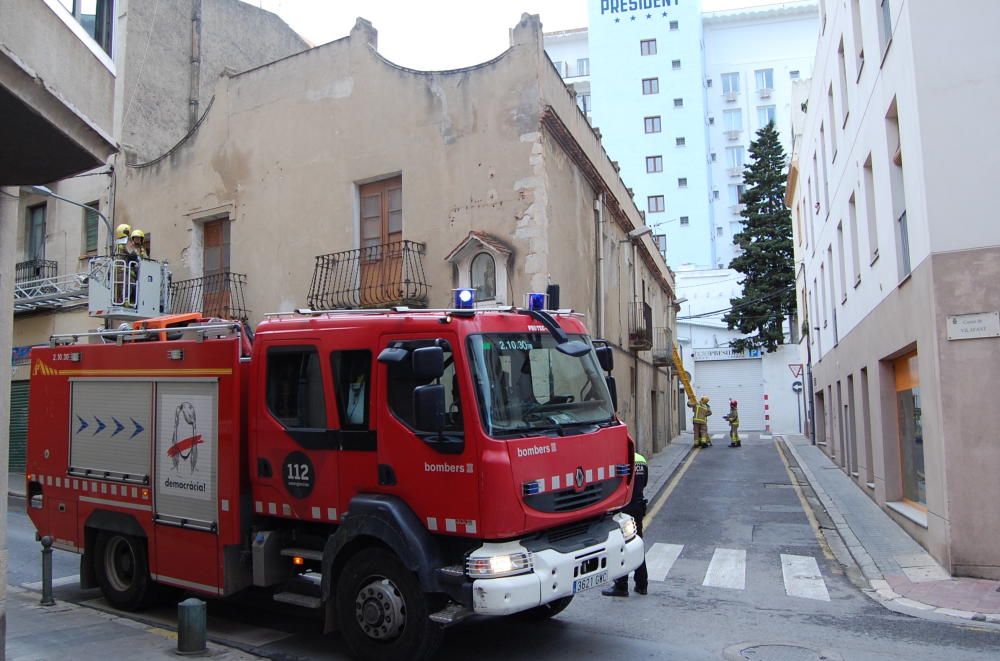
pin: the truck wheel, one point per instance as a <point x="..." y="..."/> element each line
<point x="545" y="611"/>
<point x="381" y="610"/>
<point x="123" y="570"/>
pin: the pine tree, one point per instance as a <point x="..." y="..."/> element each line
<point x="766" y="241"/>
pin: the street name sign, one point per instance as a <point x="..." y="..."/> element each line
<point x="973" y="326"/>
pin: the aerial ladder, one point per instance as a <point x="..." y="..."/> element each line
<point x="679" y="364"/>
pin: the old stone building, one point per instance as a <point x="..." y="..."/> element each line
<point x="335" y="178"/>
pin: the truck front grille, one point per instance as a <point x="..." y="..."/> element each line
<point x="570" y="500"/>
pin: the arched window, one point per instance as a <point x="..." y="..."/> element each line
<point x="484" y="276"/>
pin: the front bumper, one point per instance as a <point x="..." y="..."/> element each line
<point x="552" y="576"/>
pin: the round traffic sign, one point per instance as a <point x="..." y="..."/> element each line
<point x="796" y="386"/>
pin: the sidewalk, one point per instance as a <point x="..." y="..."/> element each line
<point x="664" y="464"/>
<point x="902" y="576"/>
<point x="69" y="631"/>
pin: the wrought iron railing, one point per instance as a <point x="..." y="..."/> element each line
<point x="219" y="295"/>
<point x="35" y="269"/>
<point x="381" y="275"/>
<point x="663" y="346"/>
<point x="640" y="326"/>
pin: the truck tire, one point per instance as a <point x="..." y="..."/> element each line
<point x="123" y="570"/>
<point x="382" y="613"/>
<point x="545" y="611"/>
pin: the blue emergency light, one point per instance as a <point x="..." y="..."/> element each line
<point x="536" y="301"/>
<point x="465" y="298"/>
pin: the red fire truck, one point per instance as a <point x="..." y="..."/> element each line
<point x="396" y="470"/>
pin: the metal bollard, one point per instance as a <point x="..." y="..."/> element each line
<point x="191" y="626"/>
<point x="47" y="599"/>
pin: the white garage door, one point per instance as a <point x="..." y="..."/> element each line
<point x="722" y="380"/>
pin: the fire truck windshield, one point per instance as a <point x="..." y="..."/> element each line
<point x="524" y="385"/>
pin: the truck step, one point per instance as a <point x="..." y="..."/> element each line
<point x="308" y="554"/>
<point x="296" y="599"/>
<point x="314" y="579"/>
<point x="451" y="614"/>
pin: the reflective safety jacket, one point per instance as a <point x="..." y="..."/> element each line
<point x="701" y="412"/>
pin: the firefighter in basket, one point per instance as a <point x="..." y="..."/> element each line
<point x="733" y="418"/>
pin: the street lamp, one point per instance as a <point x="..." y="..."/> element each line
<point x="47" y="192"/>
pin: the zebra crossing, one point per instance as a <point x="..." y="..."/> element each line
<point x="727" y="569"/>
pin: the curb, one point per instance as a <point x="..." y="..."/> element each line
<point x="878" y="588"/>
<point x="663" y="481"/>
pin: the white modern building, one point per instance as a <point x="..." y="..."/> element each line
<point x="678" y="94"/>
<point x="892" y="193"/>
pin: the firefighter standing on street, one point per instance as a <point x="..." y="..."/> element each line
<point x="734" y="424"/>
<point x="701" y="412"/>
<point x="636" y="508"/>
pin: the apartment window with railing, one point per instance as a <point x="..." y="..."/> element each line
<point x="96" y="17"/>
<point x="842" y="262"/>
<point x="859" y="42"/>
<point x="885" y="24"/>
<point x="583" y="66"/>
<point x="826" y="169"/>
<point x="833" y="125"/>
<point x="733" y="119"/>
<point x="655" y="204"/>
<point x="650" y="85"/>
<point x="652" y="124"/>
<point x="765" y="79"/>
<point x="852" y="219"/>
<point x="870" y="219"/>
<point x="647" y="47"/>
<point x="35" y="237"/>
<point x="765" y="115"/>
<point x="842" y="71"/>
<point x="654" y="164"/>
<point x="730" y="83"/>
<point x="734" y="157"/>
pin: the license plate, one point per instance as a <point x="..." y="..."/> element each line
<point x="587" y="582"/>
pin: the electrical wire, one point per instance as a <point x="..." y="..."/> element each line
<point x="740" y="306"/>
<point x="142" y="63"/>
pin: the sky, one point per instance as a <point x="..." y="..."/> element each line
<point x="439" y="34"/>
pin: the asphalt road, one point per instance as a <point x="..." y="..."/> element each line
<point x="716" y="550"/>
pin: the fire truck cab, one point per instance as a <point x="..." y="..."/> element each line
<point x="392" y="470"/>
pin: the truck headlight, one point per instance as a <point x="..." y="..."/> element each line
<point x="628" y="527"/>
<point x="495" y="566"/>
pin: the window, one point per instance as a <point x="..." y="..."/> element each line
<point x="654" y="164"/>
<point x="650" y="85"/>
<point x="826" y="170"/>
<point x="295" y="387"/>
<point x="483" y="272"/>
<point x="711" y="121"/>
<point x="680" y="142"/>
<point x="708" y="82"/>
<point x="682" y="182"/>
<point x="859" y="41"/>
<point x="583" y="66"/>
<point x="676" y="64"/>
<point x="715" y="194"/>
<point x="35" y="240"/>
<point x="833" y="294"/>
<point x="734" y="157"/>
<point x="654" y="203"/>
<point x="402" y="382"/>
<point x="652" y="124"/>
<point x="842" y="66"/>
<point x="885" y="24"/>
<point x="711" y="157"/>
<point x="906" y="371"/>
<point x="842" y="270"/>
<point x="673" y="25"/>
<point x="852" y="219"/>
<point x="381" y="214"/>
<point x="678" y="103"/>
<point x="833" y="125"/>
<point x="895" y="168"/>
<point x="719" y="231"/>
<point x="559" y="67"/>
<point x="733" y="119"/>
<point x="765" y="115"/>
<point x="583" y="101"/>
<point x="90" y="229"/>
<point x="685" y="220"/>
<point x="647" y="47"/>
<point x="730" y="83"/>
<point x="96" y="17"/>
<point x="764" y="78"/>
<point x="794" y="74"/>
<point x="352" y="387"/>
<point x="869" y="193"/>
<point x="736" y="193"/>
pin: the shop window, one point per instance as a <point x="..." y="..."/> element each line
<point x="911" y="437"/>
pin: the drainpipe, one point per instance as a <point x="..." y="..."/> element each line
<point x="195" y="90"/>
<point x="599" y="234"/>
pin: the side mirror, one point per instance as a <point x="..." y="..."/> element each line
<point x="428" y="407"/>
<point x="613" y="390"/>
<point x="428" y="364"/>
<point x="606" y="357"/>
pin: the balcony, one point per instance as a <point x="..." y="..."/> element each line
<point x="218" y="295"/>
<point x="382" y="275"/>
<point x="640" y="327"/>
<point x="663" y="347"/>
<point x="35" y="269"/>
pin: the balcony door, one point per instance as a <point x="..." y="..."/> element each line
<point x="215" y="269"/>
<point x="381" y="258"/>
